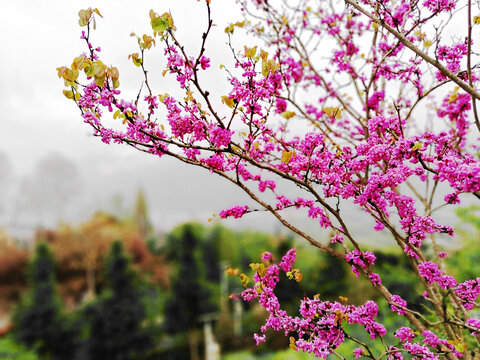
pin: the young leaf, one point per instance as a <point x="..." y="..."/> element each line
<point x="288" y="114"/>
<point x="68" y="94"/>
<point x="159" y="24"/>
<point x="227" y="101"/>
<point x="286" y="156"/>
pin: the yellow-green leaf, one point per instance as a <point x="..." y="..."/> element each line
<point x="250" y="52"/>
<point x="286" y="156"/>
<point x="268" y="67"/>
<point x="89" y="71"/>
<point x="113" y="73"/>
<point x="169" y="19"/>
<point x="332" y="112"/>
<point x="229" y="29"/>
<point x="85" y="15"/>
<point x="263" y="55"/>
<point x="159" y="24"/>
<point x="68" y="94"/>
<point x="259" y="269"/>
<point x="427" y="43"/>
<point x="135" y="58"/>
<point x="98" y="12"/>
<point x="78" y="62"/>
<point x="288" y="114"/>
<point x="71" y="75"/>
<point x="417" y="146"/>
<point x="100" y="80"/>
<point x="244" y="280"/>
<point x="476" y="20"/>
<point x="227" y="101"/>
<point x="99" y="68"/>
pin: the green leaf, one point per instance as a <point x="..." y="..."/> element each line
<point x="89" y="71"/>
<point x="100" y="80"/>
<point x="159" y="24"/>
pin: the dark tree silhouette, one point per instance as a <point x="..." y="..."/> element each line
<point x="115" y="320"/>
<point x="39" y="323"/>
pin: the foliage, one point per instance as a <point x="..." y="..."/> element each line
<point x="81" y="252"/>
<point x="9" y="349"/>
<point x="39" y="322"/>
<point x="190" y="295"/>
<point x="13" y="263"/>
<point x="115" y="320"/>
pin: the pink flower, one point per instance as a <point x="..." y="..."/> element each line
<point x="266" y="256"/>
<point x="375" y="279"/>
<point x="358" y="352"/>
<point x="405" y="334"/>
<point x="204" y="62"/>
<point x="236" y="212"/>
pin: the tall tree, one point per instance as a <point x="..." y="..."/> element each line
<point x="115" y="320"/>
<point x="190" y="297"/>
<point x="39" y="323"/>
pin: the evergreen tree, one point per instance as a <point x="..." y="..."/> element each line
<point x="39" y="323"/>
<point x="190" y="297"/>
<point x="287" y="290"/>
<point x="211" y="257"/>
<point x="115" y="320"/>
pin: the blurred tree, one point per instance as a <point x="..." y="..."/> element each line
<point x="398" y="275"/>
<point x="190" y="296"/>
<point x="328" y="277"/>
<point x="141" y="215"/>
<point x="39" y="323"/>
<point x="115" y="320"/>
<point x="465" y="261"/>
<point x="210" y="249"/>
<point x="13" y="262"/>
<point x="81" y="252"/>
<point x="288" y="291"/>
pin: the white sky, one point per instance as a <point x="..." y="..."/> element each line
<point x="38" y="36"/>
<point x="37" y="120"/>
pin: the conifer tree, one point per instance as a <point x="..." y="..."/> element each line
<point x="115" y="320"/>
<point x="39" y="323"/>
<point x="190" y="298"/>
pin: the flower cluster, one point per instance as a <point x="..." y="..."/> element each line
<point x="319" y="327"/>
<point x="432" y="274"/>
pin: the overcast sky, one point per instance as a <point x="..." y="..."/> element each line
<point x="37" y="121"/>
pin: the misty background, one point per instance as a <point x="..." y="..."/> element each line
<point x="51" y="167"/>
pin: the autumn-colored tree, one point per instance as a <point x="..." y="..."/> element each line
<point x="13" y="261"/>
<point x="81" y="252"/>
